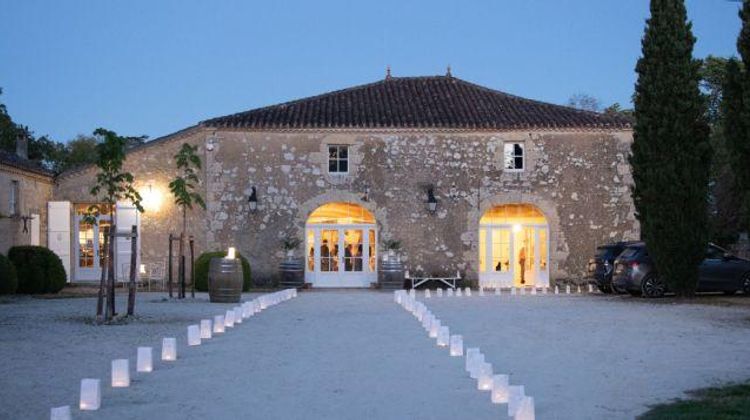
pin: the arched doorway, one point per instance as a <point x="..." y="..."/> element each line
<point x="513" y="247"/>
<point x="341" y="246"/>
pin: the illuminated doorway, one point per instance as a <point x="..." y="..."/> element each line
<point x="341" y="246"/>
<point x="513" y="247"/>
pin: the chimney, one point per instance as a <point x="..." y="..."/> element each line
<point x="22" y="145"/>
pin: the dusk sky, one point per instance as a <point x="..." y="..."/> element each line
<point x="154" y="67"/>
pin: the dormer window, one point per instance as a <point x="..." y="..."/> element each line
<point x="513" y="157"/>
<point x="338" y="159"/>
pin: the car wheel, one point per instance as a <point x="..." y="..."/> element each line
<point x="653" y="287"/>
<point x="746" y="284"/>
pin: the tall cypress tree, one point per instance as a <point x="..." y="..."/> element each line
<point x="735" y="132"/>
<point x="671" y="153"/>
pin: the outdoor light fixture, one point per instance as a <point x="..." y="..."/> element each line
<point x="142" y="269"/>
<point x="120" y="373"/>
<point x="431" y="200"/>
<point x="145" y="361"/>
<point x="194" y="335"/>
<point x="252" y="202"/>
<point x="169" y="349"/>
<point x="91" y="394"/>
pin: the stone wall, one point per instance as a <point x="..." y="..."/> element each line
<point x="34" y="192"/>
<point x="579" y="179"/>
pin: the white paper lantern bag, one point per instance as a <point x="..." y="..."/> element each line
<point x="484" y="379"/>
<point x="229" y="319"/>
<point x="515" y="395"/>
<point x="120" y="373"/>
<point x="579" y="289"/>
<point x="218" y="324"/>
<point x="498" y="292"/>
<point x="145" y="361"/>
<point x="471" y="353"/>
<point x="591" y="288"/>
<point x="468" y="292"/>
<point x="525" y="409"/>
<point x="206" y="329"/>
<point x="439" y="292"/>
<point x="459" y="293"/>
<point x="443" y="337"/>
<point x="513" y="291"/>
<point x="427" y="294"/>
<point x="457" y="345"/>
<point x="194" y="335"/>
<point x="60" y="413"/>
<point x="169" y="349"/>
<point x="500" y="389"/>
<point x="557" y="290"/>
<point x="533" y="290"/>
<point x="91" y="395"/>
<point x="434" y="328"/>
<point x="450" y="292"/>
<point x="567" y="289"/>
<point x="481" y="291"/>
<point x="238" y="315"/>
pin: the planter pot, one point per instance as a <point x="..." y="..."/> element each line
<point x="225" y="280"/>
<point x="292" y="271"/>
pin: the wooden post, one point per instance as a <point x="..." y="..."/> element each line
<point x="133" y="269"/>
<point x="102" y="283"/>
<point x="192" y="266"/>
<point x="110" y="307"/>
<point x="182" y="277"/>
<point x="169" y="261"/>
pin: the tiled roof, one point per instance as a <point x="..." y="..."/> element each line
<point x="417" y="102"/>
<point x="12" y="159"/>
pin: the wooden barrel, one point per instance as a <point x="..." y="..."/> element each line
<point x="225" y="280"/>
<point x="391" y="273"/>
<point x="292" y="272"/>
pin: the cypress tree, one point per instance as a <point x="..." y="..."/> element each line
<point x="671" y="152"/>
<point x="735" y="132"/>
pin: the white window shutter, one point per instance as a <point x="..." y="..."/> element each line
<point x="35" y="226"/>
<point x="58" y="231"/>
<point x="126" y="216"/>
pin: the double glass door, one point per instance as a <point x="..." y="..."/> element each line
<point x="513" y="255"/>
<point x="89" y="246"/>
<point x="341" y="256"/>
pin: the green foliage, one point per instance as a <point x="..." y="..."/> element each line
<point x="39" y="270"/>
<point x="671" y="152"/>
<point x="584" y="102"/>
<point x="112" y="184"/>
<point x="80" y="151"/>
<point x="8" y="277"/>
<point x="392" y="244"/>
<point x="183" y="186"/>
<point x="617" y="109"/>
<point x="291" y="243"/>
<point x="202" y="266"/>
<point x="713" y="75"/>
<point x="723" y="403"/>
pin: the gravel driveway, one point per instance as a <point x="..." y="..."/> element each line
<point x="356" y="354"/>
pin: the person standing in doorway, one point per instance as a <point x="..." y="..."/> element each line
<point x="522" y="263"/>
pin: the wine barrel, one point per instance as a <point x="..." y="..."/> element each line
<point x="391" y="273"/>
<point x="225" y="280"/>
<point x="292" y="272"/>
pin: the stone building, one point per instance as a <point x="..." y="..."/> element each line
<point x="504" y="189"/>
<point x="25" y="189"/>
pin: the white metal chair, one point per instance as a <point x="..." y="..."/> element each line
<point x="156" y="274"/>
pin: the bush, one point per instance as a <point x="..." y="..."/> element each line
<point x="201" y="270"/>
<point x="8" y="278"/>
<point x="38" y="269"/>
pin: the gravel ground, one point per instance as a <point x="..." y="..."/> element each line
<point x="356" y="354"/>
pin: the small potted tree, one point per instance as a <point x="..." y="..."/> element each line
<point x="392" y="247"/>
<point x="292" y="269"/>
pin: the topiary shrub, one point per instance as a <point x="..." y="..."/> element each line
<point x="201" y="270"/>
<point x="8" y="278"/>
<point x="39" y="270"/>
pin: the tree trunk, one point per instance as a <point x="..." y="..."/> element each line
<point x="192" y="267"/>
<point x="169" y="261"/>
<point x="110" y="311"/>
<point x="102" y="282"/>
<point x="133" y="263"/>
<point x="182" y="253"/>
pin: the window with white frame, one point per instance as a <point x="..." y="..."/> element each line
<point x="13" y="202"/>
<point x="513" y="157"/>
<point x="338" y="159"/>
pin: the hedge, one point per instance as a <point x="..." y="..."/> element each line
<point x="201" y="270"/>
<point x="39" y="270"/>
<point x="8" y="278"/>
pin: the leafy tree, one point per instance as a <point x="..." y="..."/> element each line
<point x="8" y="129"/>
<point x="183" y="188"/>
<point x="112" y="185"/>
<point x="80" y="151"/>
<point x="584" y="102"/>
<point x="617" y="109"/>
<point x="671" y="153"/>
<point x="713" y="74"/>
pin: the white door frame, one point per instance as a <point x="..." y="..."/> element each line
<point x="87" y="273"/>
<point x="341" y="278"/>
<point x="491" y="278"/>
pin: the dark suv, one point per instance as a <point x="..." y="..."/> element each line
<point x="720" y="271"/>
<point x="601" y="267"/>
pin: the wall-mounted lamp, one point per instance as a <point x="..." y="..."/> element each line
<point x="366" y="195"/>
<point x="431" y="200"/>
<point x="252" y="202"/>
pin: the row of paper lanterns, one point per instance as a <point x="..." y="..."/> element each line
<point x="520" y="406"/>
<point x="91" y="389"/>
<point x="458" y="292"/>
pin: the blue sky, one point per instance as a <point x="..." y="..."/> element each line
<point x="153" y="67"/>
